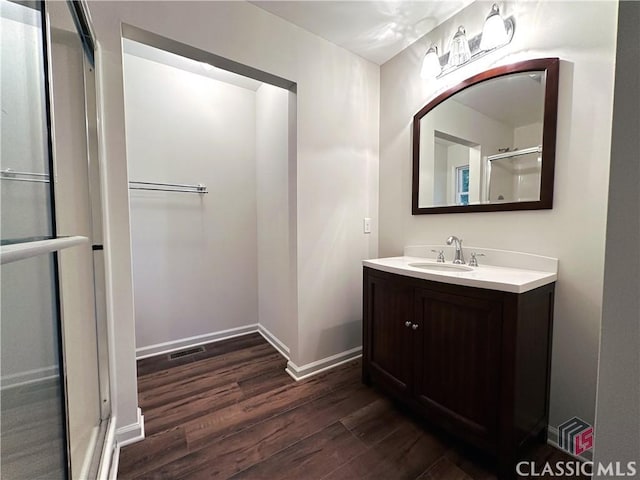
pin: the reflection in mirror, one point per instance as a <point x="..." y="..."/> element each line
<point x="475" y="132"/>
<point x="514" y="176"/>
<point x="479" y="147"/>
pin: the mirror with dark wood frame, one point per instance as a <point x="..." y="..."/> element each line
<point x="488" y="143"/>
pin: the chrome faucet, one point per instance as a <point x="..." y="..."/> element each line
<point x="457" y="243"/>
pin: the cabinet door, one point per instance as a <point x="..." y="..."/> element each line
<point x="388" y="317"/>
<point x="458" y="361"/>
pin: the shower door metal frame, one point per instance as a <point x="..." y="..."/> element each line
<point x="79" y="13"/>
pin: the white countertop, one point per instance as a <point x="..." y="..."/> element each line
<point x="506" y="279"/>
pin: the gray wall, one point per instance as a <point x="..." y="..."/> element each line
<point x="617" y="432"/>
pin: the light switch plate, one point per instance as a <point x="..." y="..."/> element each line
<point x="367" y="225"/>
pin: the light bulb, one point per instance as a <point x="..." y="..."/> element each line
<point x="494" y="33"/>
<point x="431" y="67"/>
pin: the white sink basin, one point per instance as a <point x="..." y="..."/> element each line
<point x="502" y="270"/>
<point x="442" y="267"/>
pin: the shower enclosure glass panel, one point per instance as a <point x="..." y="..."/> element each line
<point x="33" y="440"/>
<point x="77" y="212"/>
<point x="25" y="196"/>
<point x="32" y="419"/>
<point x="55" y="400"/>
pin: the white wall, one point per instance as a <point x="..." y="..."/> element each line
<point x="272" y="180"/>
<point x="440" y="177"/>
<point x="527" y="136"/>
<point x="458" y="156"/>
<point x="194" y="256"/>
<point x="336" y="169"/>
<point x="617" y="431"/>
<point x="574" y="230"/>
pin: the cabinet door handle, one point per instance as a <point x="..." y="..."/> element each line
<point x="407" y="324"/>
<point x="414" y="326"/>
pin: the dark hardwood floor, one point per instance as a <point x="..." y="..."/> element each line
<point x="232" y="412"/>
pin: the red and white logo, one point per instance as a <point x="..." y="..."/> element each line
<point x="575" y="436"/>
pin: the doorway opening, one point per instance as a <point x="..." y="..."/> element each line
<point x="211" y="152"/>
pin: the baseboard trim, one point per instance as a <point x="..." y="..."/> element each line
<point x="305" y="371"/>
<point x="29" y="377"/>
<point x="552" y="439"/>
<point x="110" y="452"/>
<point x="274" y="341"/>
<point x="175" y="345"/>
<point x="131" y="433"/>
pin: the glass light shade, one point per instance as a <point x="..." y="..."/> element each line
<point x="431" y="67"/>
<point x="459" y="52"/>
<point x="494" y="33"/>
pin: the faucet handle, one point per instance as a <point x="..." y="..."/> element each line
<point x="440" y="253"/>
<point x="473" y="261"/>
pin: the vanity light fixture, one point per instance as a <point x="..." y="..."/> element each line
<point x="497" y="32"/>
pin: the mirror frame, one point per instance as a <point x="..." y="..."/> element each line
<point x="551" y="67"/>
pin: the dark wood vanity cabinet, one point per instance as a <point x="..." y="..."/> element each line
<point x="391" y="317"/>
<point x="457" y="359"/>
<point x="473" y="361"/>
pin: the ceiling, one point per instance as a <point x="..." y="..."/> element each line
<point x="375" y="30"/>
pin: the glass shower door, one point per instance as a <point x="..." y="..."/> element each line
<point x="77" y="212"/>
<point x="33" y="441"/>
<point x="55" y="400"/>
